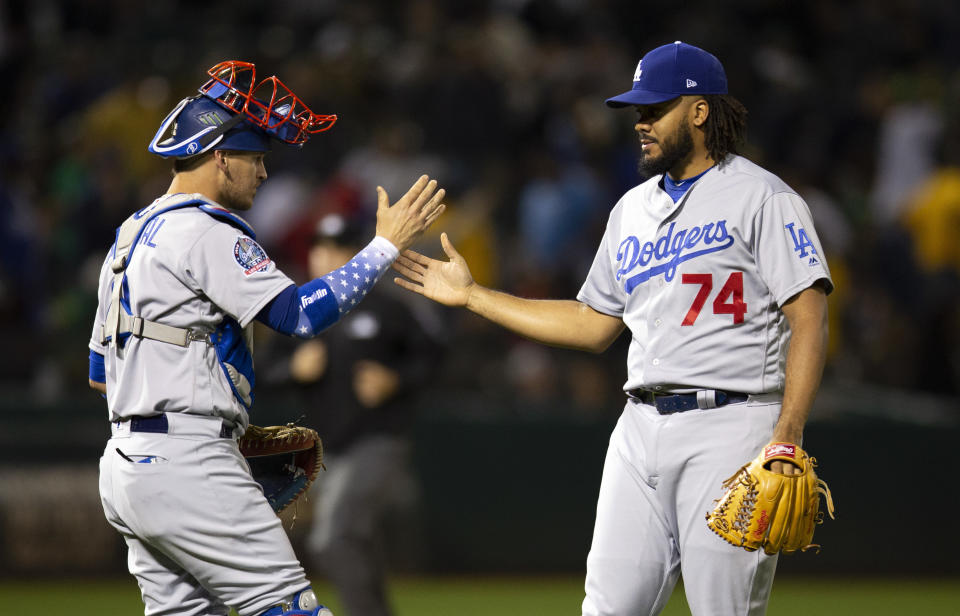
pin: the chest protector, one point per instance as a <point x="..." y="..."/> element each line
<point x="233" y="344"/>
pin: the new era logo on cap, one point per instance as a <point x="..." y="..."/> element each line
<point x="673" y="70"/>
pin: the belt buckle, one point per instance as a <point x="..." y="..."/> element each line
<point x="196" y="336"/>
<point x="642" y="395"/>
<point x="648" y="397"/>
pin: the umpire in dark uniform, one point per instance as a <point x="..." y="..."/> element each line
<point x="359" y="382"/>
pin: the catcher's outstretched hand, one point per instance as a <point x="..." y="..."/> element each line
<point x="405" y="221"/>
<point x="447" y="282"/>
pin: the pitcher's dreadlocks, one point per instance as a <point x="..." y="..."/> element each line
<point x="726" y="126"/>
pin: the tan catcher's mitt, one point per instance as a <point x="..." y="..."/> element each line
<point x="763" y="509"/>
<point x="284" y="460"/>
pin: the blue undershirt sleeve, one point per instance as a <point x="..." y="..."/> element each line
<point x="307" y="310"/>
<point x="98" y="371"/>
<point x="302" y="311"/>
<point x="282" y="312"/>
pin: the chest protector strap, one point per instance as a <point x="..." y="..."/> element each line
<point x="120" y="321"/>
<point x="233" y="344"/>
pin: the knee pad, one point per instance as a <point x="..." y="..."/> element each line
<point x="304" y="603"/>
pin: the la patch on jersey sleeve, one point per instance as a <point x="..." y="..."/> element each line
<point x="802" y="244"/>
<point x="789" y="255"/>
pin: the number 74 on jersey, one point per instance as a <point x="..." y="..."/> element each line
<point x="729" y="300"/>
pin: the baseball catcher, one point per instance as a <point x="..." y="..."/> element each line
<point x="171" y="348"/>
<point x="766" y="509"/>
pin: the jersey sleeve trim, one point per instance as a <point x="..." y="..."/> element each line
<point x="95" y="345"/>
<point x="803" y="285"/>
<point x="251" y="313"/>
<point x="583" y="298"/>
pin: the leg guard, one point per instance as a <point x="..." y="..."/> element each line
<point x="304" y="603"/>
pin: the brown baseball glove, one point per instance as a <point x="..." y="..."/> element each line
<point x="764" y="509"/>
<point x="284" y="460"/>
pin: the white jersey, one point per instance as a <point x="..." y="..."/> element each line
<point x="700" y="282"/>
<point x="188" y="270"/>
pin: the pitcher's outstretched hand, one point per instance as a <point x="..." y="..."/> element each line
<point x="446" y="282"/>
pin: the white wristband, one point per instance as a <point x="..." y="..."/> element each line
<point x="386" y="246"/>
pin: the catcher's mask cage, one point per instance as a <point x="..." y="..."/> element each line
<point x="234" y="112"/>
<point x="269" y="105"/>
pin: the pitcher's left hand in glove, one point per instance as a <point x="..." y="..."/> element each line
<point x="762" y="508"/>
<point x="284" y="460"/>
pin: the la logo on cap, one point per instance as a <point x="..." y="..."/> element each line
<point x="670" y="71"/>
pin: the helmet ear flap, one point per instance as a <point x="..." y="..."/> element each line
<point x="172" y="140"/>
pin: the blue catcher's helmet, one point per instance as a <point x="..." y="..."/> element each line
<point x="233" y="111"/>
<point x="198" y="124"/>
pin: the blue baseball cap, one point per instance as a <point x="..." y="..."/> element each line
<point x="673" y="70"/>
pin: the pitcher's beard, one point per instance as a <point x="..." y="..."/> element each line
<point x="672" y="151"/>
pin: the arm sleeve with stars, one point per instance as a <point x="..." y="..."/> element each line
<point x="307" y="310"/>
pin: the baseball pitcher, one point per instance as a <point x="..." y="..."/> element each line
<point x="714" y="266"/>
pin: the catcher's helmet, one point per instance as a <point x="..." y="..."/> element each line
<point x="198" y="124"/>
<point x="235" y="112"/>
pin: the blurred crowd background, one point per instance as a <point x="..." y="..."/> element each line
<point x="853" y="104"/>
